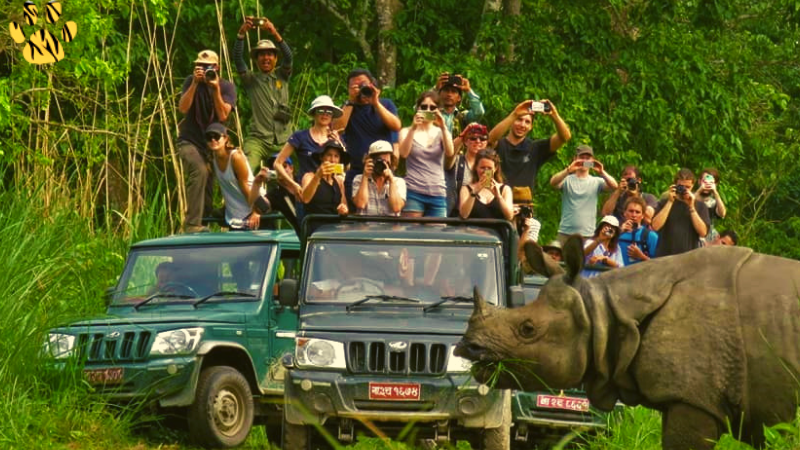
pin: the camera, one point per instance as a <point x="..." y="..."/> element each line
<point x="525" y="211"/>
<point x="365" y="90"/>
<point x="632" y="184"/>
<point x="379" y="166"/>
<point x="539" y="107"/>
<point x="256" y="21"/>
<point x="609" y="231"/>
<point x="588" y="164"/>
<point x="210" y="73"/>
<point x="454" y="80"/>
<point x="680" y="190"/>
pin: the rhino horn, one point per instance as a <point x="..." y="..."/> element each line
<point x="480" y="304"/>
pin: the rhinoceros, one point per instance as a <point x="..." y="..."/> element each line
<point x="710" y="338"/>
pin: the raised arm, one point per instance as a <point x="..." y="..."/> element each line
<point x="562" y="134"/>
<point x="501" y="128"/>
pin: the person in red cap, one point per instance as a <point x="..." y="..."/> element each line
<point x="268" y="91"/>
<point x="205" y="99"/>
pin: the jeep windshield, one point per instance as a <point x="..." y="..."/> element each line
<point x="193" y="275"/>
<point x="348" y="272"/>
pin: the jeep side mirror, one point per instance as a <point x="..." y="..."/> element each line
<point x="109" y="295"/>
<point x="517" y="297"/>
<point x="287" y="292"/>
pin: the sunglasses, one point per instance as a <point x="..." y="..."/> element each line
<point x="428" y="107"/>
<point x="478" y="138"/>
<point x="213" y="136"/>
<point x="325" y="111"/>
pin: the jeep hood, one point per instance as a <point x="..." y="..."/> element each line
<point x="192" y="318"/>
<point x="405" y="320"/>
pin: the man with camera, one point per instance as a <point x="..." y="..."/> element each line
<point x="680" y="219"/>
<point x="637" y="242"/>
<point x="521" y="156"/>
<point x="268" y="91"/>
<point x="451" y="87"/>
<point x="579" y="192"/>
<point x="630" y="185"/>
<point x="205" y="99"/>
<point x="367" y="118"/>
<point x="382" y="194"/>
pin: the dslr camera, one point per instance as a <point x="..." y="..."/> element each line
<point x="365" y="90"/>
<point x="632" y="184"/>
<point x="680" y="190"/>
<point x="454" y="80"/>
<point x="379" y="166"/>
<point x="210" y="73"/>
<point x="525" y="211"/>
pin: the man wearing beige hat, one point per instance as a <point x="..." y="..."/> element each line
<point x="268" y="91"/>
<point x="205" y="99"/>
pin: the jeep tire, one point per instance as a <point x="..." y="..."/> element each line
<point x="222" y="413"/>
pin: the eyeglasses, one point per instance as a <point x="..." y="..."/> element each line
<point x="328" y="112"/>
<point x="478" y="138"/>
<point x="213" y="136"/>
<point x="428" y="107"/>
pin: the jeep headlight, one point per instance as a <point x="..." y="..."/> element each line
<point x="319" y="353"/>
<point x="59" y="345"/>
<point x="457" y="363"/>
<point x="176" y="342"/>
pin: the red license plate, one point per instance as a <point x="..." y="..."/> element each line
<point x="560" y="402"/>
<point x="394" y="391"/>
<point x="111" y="375"/>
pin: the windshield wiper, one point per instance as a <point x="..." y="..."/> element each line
<point x="383" y="298"/>
<point x="221" y="294"/>
<point x="454" y="298"/>
<point x="159" y="294"/>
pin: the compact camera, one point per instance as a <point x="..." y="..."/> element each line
<point x="632" y="184"/>
<point x="210" y="73"/>
<point x="365" y="90"/>
<point x="454" y="80"/>
<point x="588" y="164"/>
<point x="379" y="166"/>
<point x="256" y="21"/>
<point x="680" y="190"/>
<point x="539" y="107"/>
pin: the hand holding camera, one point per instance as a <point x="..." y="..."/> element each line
<point x="540" y="107"/>
<point x="379" y="166"/>
<point x="632" y="184"/>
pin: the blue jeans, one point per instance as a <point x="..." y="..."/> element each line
<point x="428" y="205"/>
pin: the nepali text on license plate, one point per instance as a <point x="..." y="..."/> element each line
<point x="559" y="402"/>
<point x="112" y="375"/>
<point x="394" y="391"/>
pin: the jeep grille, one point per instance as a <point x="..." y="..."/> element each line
<point x="415" y="358"/>
<point x="128" y="346"/>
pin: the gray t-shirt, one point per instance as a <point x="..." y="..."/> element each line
<point x="579" y="204"/>
<point x="425" y="166"/>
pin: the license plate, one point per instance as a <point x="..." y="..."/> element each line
<point x="560" y="402"/>
<point x="111" y="375"/>
<point x="394" y="391"/>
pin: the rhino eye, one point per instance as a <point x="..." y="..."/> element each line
<point x="526" y="329"/>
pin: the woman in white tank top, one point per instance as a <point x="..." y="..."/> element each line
<point x="233" y="175"/>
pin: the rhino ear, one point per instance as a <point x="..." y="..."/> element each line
<point x="573" y="255"/>
<point x="539" y="261"/>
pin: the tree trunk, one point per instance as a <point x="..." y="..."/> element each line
<point x="387" y="51"/>
<point x="511" y="11"/>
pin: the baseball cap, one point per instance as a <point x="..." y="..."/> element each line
<point x="207" y="57"/>
<point x="584" y="149"/>
<point x="217" y="127"/>
<point x="380" y="147"/>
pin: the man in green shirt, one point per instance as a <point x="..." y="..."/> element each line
<point x="268" y="91"/>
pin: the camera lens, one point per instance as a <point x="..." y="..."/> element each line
<point x="366" y="90"/>
<point x="632" y="183"/>
<point x="211" y="74"/>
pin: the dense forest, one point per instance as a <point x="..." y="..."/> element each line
<point x="664" y="85"/>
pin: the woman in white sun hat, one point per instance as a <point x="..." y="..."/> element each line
<point x="603" y="248"/>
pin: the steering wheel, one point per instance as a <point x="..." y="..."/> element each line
<point x="177" y="288"/>
<point x="360" y="284"/>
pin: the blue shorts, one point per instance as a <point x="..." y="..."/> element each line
<point x="428" y="205"/>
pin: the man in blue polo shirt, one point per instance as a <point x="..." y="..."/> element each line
<point x="367" y="118"/>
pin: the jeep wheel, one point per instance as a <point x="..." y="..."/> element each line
<point x="499" y="438"/>
<point x="222" y="412"/>
<point x="295" y="437"/>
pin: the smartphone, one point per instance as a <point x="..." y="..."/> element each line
<point x="588" y="164"/>
<point x="489" y="177"/>
<point x="428" y="115"/>
<point x="338" y="168"/>
<point x="539" y="107"/>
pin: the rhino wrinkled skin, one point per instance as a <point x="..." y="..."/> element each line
<point x="709" y="338"/>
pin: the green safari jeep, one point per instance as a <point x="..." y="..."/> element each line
<point x="194" y="324"/>
<point x="382" y="303"/>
